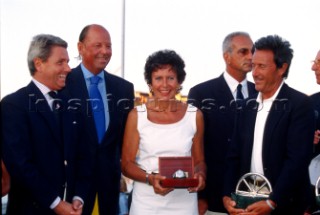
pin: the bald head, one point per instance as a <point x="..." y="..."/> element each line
<point x="94" y="48"/>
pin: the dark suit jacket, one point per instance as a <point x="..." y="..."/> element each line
<point x="216" y="101"/>
<point x="316" y="105"/>
<point x="286" y="150"/>
<point x="35" y="153"/>
<point x="107" y="154"/>
<point x="316" y="148"/>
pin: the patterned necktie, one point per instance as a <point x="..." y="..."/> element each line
<point x="239" y="92"/>
<point x="97" y="107"/>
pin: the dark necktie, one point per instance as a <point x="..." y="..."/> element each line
<point x="239" y="92"/>
<point x="97" y="107"/>
<point x="56" y="106"/>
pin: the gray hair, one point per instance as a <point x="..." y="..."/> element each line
<point x="41" y="46"/>
<point x="227" y="42"/>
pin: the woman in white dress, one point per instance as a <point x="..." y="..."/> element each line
<point x="163" y="127"/>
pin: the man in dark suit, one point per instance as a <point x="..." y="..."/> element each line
<point x="216" y="98"/>
<point x="316" y="104"/>
<point x="313" y="207"/>
<point x="42" y="144"/>
<point x="117" y="97"/>
<point x="273" y="135"/>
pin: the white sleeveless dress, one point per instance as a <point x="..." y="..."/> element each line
<point x="163" y="140"/>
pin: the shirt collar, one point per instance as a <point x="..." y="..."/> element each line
<point x="43" y="88"/>
<point x="233" y="83"/>
<point x="87" y="74"/>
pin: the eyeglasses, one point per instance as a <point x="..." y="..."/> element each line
<point x="316" y="62"/>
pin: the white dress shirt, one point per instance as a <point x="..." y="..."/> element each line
<point x="262" y="115"/>
<point x="233" y="83"/>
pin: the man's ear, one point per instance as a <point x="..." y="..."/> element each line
<point x="80" y="47"/>
<point x="283" y="69"/>
<point x="226" y="57"/>
<point x="37" y="63"/>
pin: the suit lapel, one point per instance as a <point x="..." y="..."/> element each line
<point x="279" y="106"/>
<point x="38" y="103"/>
<point x="252" y="109"/>
<point x="112" y="99"/>
<point x="78" y="89"/>
<point x="224" y="89"/>
<point x="226" y="98"/>
<point x="251" y="89"/>
<point x="67" y="124"/>
<point x="77" y="86"/>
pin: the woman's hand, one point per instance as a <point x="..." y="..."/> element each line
<point x="155" y="181"/>
<point x="202" y="182"/>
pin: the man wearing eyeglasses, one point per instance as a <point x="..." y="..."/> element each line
<point x="316" y="147"/>
<point x="316" y="99"/>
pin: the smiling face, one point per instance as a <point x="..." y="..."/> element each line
<point x="96" y="50"/>
<point x="164" y="83"/>
<point x="266" y="75"/>
<point x="53" y="71"/>
<point x="316" y="67"/>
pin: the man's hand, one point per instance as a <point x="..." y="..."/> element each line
<point x="230" y="205"/>
<point x="65" y="208"/>
<point x="77" y="205"/>
<point x="259" y="208"/>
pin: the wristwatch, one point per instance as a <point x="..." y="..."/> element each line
<point x="179" y="174"/>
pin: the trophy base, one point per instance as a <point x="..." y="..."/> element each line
<point x="179" y="183"/>
<point x="244" y="201"/>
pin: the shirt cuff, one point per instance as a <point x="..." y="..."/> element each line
<point x="78" y="198"/>
<point x="55" y="203"/>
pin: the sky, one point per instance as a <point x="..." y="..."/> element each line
<point x="195" y="29"/>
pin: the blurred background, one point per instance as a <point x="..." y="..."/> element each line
<point x="195" y="29"/>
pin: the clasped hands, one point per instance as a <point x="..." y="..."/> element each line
<point x="257" y="208"/>
<point x="66" y="208"/>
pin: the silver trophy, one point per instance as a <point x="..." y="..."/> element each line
<point x="251" y="187"/>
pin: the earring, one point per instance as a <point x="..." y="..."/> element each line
<point x="150" y="88"/>
<point x="179" y="89"/>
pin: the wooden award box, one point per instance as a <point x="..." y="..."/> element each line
<point x="169" y="165"/>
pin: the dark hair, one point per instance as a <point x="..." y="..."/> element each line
<point x="40" y="47"/>
<point x="280" y="49"/>
<point x="162" y="58"/>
